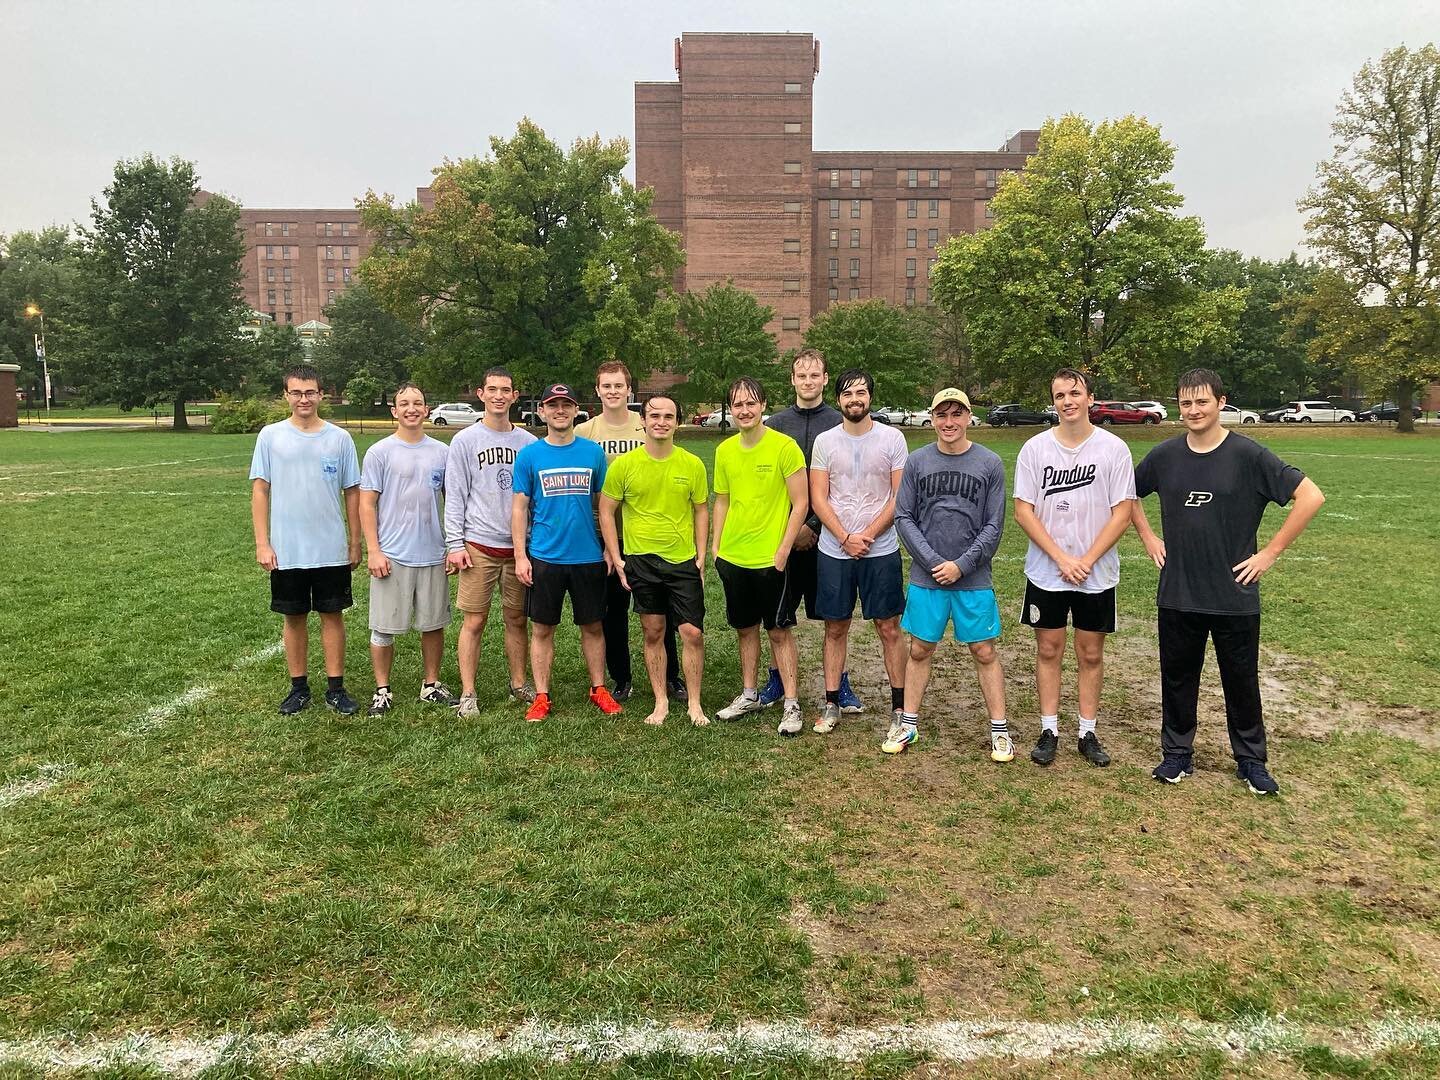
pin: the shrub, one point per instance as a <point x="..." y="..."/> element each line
<point x="245" y="416"/>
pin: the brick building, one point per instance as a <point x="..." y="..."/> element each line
<point x="728" y="150"/>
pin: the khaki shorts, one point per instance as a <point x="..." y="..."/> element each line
<point x="417" y="596"/>
<point x="477" y="585"/>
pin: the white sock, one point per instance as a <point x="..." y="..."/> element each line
<point x="1087" y="727"/>
<point x="997" y="727"/>
<point x="751" y="694"/>
<point x="1050" y="724"/>
<point x="792" y="701"/>
<point x="909" y="719"/>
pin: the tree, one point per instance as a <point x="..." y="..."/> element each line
<point x="160" y="286"/>
<point x="724" y="336"/>
<point x="1374" y="218"/>
<point x="274" y="351"/>
<point x="893" y="344"/>
<point x="544" y="261"/>
<point x="1088" y="264"/>
<point x="37" y="268"/>
<point x="364" y="335"/>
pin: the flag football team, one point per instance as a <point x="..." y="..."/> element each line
<point x="812" y="506"/>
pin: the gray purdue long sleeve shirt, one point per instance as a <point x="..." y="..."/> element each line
<point x="951" y="507"/>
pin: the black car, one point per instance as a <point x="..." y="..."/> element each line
<point x="1272" y="416"/>
<point x="1386" y="410"/>
<point x="1014" y="415"/>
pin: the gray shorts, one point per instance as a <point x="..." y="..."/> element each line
<point x="416" y="596"/>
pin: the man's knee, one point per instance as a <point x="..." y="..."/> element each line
<point x="984" y="652"/>
<point x="921" y="650"/>
<point x="888" y="629"/>
<point x="837" y="629"/>
<point x="514" y="618"/>
<point x="690" y="635"/>
<point x="381" y="640"/>
<point x="1051" y="647"/>
<point x="474" y="622"/>
<point x="1090" y="653"/>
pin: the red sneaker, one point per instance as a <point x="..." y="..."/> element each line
<point x="603" y="700"/>
<point x="539" y="708"/>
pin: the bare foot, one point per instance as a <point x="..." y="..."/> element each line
<point x="656" y="718"/>
<point x="699" y="719"/>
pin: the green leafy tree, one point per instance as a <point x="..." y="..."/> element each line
<point x="1374" y="218"/>
<point x="160" y="289"/>
<point x="723" y="337"/>
<point x="366" y="336"/>
<point x="273" y="351"/>
<point x="40" y="269"/>
<point x="365" y="389"/>
<point x="544" y="261"/>
<point x="895" y="345"/>
<point x="1088" y="264"/>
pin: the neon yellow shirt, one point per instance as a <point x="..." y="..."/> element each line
<point x="760" y="506"/>
<point x="658" y="499"/>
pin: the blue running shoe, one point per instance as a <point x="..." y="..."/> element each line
<point x="1173" y="769"/>
<point x="772" y="691"/>
<point x="849" y="703"/>
<point x="1257" y="778"/>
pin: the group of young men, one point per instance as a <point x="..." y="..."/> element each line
<point x="812" y="506"/>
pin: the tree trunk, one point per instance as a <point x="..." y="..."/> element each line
<point x="181" y="423"/>
<point x="1404" y="418"/>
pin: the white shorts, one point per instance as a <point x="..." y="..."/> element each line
<point x="411" y="595"/>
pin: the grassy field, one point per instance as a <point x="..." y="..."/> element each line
<point x="176" y="857"/>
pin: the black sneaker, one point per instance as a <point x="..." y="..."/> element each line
<point x="381" y="703"/>
<point x="296" y="700"/>
<point x="1091" y="750"/>
<point x="341" y="701"/>
<point x="622" y="691"/>
<point x="1173" y="769"/>
<point x="677" y="690"/>
<point x="1044" y="752"/>
<point x="1257" y="778"/>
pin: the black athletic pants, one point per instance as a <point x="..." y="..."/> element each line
<point x="616" y="625"/>
<point x="1182" y="655"/>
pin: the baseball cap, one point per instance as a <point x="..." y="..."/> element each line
<point x="558" y="391"/>
<point x="950" y="394"/>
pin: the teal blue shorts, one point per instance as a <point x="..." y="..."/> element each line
<point x="974" y="613"/>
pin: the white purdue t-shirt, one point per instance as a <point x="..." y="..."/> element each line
<point x="1073" y="492"/>
<point x="859" y="468"/>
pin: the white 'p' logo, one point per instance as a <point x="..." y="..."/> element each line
<point x="1198" y="498"/>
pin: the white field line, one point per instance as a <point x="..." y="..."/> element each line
<point x="163" y="712"/>
<point x="122" y="468"/>
<point x="1372" y="495"/>
<point x="954" y="1041"/>
<point x="259" y="656"/>
<point x="45" y="778"/>
<point x="120" y="493"/>
<point x="1353" y="457"/>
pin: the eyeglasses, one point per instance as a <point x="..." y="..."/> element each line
<point x="304" y="395"/>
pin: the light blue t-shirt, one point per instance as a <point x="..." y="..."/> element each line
<point x="410" y="478"/>
<point x="307" y="472"/>
<point x="561" y="483"/>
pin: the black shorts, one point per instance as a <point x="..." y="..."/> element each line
<point x="310" y="588"/>
<point x="757" y="596"/>
<point x="876" y="580"/>
<point x="585" y="582"/>
<point x="666" y="588"/>
<point x="802" y="574"/>
<point x="1046" y="610"/>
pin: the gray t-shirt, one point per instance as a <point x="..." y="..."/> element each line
<point x="859" y="468"/>
<point x="410" y="478"/>
<point x="478" y="475"/>
<point x="951" y="508"/>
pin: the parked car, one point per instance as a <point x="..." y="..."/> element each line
<point x="1305" y="412"/>
<point x="1156" y="407"/>
<point x="713" y="420"/>
<point x="891" y="416"/>
<point x="454" y="414"/>
<point x="1119" y="412"/>
<point x="1229" y="414"/>
<point x="1272" y="416"/>
<point x="1013" y="415"/>
<point x="1386" y="410"/>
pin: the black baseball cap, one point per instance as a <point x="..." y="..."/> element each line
<point x="557" y="392"/>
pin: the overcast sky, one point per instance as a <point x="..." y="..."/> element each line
<point x="305" y="103"/>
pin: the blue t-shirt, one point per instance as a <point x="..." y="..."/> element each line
<point x="410" y="478"/>
<point x="561" y="482"/>
<point x="307" y="472"/>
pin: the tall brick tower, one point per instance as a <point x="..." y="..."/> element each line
<point x="727" y="149"/>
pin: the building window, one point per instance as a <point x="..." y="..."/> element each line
<point x="289" y="274"/>
<point x="792" y="88"/>
<point x="909" y="238"/>
<point x="791" y="285"/>
<point x="854" y="237"/>
<point x="290" y="316"/>
<point x="269" y="273"/>
<point x="854" y="267"/>
<point x="834" y="267"/>
<point x="792" y="127"/>
<point x="934" y="237"/>
<point x="790" y="322"/>
<point x="347" y="275"/>
<point x="329" y="251"/>
<point x="834" y="177"/>
<point x="792" y="167"/>
<point x="288" y="300"/>
<point x="854" y="208"/>
<point x="934" y="208"/>
<point x="834" y="208"/>
<point x="854" y="293"/>
<point x="791" y="246"/>
<point x="909" y="297"/>
<point x="854" y="177"/>
<point x="912" y="177"/>
<point x="269" y="251"/>
<point x="929" y="267"/>
<point x="934" y="177"/>
<point x="327" y="227"/>
<point x="345" y="228"/>
<point x="909" y="268"/>
<point x="269" y="228"/>
<point x="348" y="252"/>
<point x="285" y="229"/>
<point x="790" y="207"/>
<point x="329" y="295"/>
<point x="910" y="208"/>
<point x="285" y="251"/>
<point x="834" y="237"/>
<point x="270" y="297"/>
<point x="834" y="293"/>
<point x="329" y="273"/>
<point x="988" y="212"/>
<point x="990" y="178"/>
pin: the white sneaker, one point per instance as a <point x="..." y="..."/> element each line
<point x="739" y="707"/>
<point x="467" y="707"/>
<point x="436" y="694"/>
<point x="900" y="736"/>
<point x="792" y="723"/>
<point x="381" y="702"/>
<point x="828" y="719"/>
<point x="1001" y="748"/>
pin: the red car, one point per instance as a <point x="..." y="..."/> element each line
<point x="1119" y="412"/>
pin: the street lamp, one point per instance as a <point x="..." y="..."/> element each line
<point x="33" y="311"/>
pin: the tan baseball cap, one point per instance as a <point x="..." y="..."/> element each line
<point x="950" y="394"/>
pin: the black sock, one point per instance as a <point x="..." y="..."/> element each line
<point x="897" y="697"/>
<point x="386" y="686"/>
<point x="597" y="686"/>
<point x="335" y="682"/>
<point x="832" y="697"/>
<point x="300" y="682"/>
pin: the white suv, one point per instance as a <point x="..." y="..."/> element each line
<point x="1320" y="412"/>
<point x="1230" y="414"/>
<point x="1156" y="407"/>
<point x="454" y="414"/>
